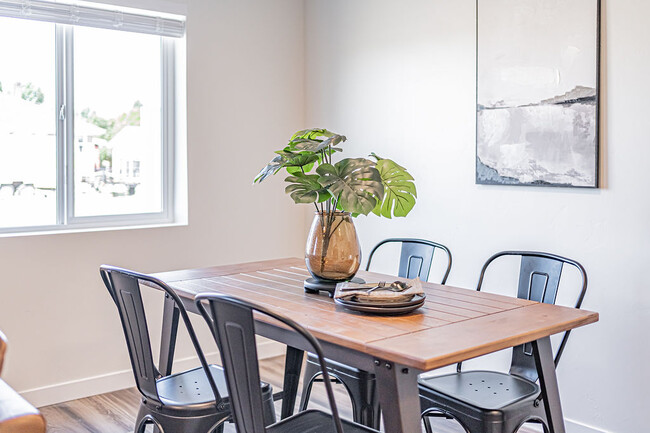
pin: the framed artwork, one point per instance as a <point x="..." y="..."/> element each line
<point x="537" y="92"/>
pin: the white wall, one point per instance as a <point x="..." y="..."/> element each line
<point x="398" y="78"/>
<point x="244" y="98"/>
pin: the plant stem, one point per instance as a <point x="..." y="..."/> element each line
<point x="326" y="239"/>
<point x="337" y="226"/>
<point x="327" y="218"/>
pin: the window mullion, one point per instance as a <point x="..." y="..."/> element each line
<point x="168" y="90"/>
<point x="60" y="124"/>
<point x="69" y="123"/>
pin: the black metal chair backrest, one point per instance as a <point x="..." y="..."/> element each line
<point x="124" y="287"/>
<point x="415" y="258"/>
<point x="539" y="280"/>
<point x="232" y="324"/>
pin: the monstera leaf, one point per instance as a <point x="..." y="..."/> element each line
<point x="298" y="162"/>
<point x="271" y="168"/>
<point x="312" y="133"/>
<point x="305" y="188"/>
<point x="298" y="159"/>
<point x="355" y="182"/>
<point x="399" y="189"/>
<point x="311" y="145"/>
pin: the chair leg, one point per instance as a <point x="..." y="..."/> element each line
<point x="145" y="421"/>
<point x="268" y="409"/>
<point x="311" y="373"/>
<point x="427" y="415"/>
<point x="164" y="423"/>
<point x="427" y="423"/>
<point x="365" y="403"/>
<point x="141" y="426"/>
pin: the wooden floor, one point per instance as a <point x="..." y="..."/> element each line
<point x="115" y="412"/>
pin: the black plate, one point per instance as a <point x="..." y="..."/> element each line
<point x="385" y="308"/>
<point x="417" y="299"/>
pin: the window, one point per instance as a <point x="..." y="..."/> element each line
<point x="86" y="116"/>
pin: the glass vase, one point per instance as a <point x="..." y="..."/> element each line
<point x="332" y="252"/>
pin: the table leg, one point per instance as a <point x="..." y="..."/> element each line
<point x="398" y="397"/>
<point x="292" y="367"/>
<point x="545" y="364"/>
<point x="168" y="336"/>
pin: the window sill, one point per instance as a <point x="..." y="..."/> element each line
<point x="55" y="230"/>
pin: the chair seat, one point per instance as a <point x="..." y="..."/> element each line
<point x="314" y="421"/>
<point x="191" y="387"/>
<point x="487" y="390"/>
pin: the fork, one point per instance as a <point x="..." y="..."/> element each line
<point x="396" y="286"/>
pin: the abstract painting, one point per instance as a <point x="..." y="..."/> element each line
<point x="537" y="92"/>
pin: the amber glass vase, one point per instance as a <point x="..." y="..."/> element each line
<point x="333" y="252"/>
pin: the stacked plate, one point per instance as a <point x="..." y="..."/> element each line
<point x="388" y="308"/>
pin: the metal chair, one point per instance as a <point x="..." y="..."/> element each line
<point x="232" y="324"/>
<point x="494" y="402"/>
<point x="195" y="400"/>
<point x="415" y="261"/>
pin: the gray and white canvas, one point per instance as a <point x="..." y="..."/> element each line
<point x="537" y="92"/>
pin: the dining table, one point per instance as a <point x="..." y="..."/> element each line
<point x="453" y="325"/>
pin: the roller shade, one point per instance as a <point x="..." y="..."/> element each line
<point x="90" y="16"/>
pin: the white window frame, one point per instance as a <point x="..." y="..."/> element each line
<point x="64" y="78"/>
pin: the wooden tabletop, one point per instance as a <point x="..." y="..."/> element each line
<point x="453" y="325"/>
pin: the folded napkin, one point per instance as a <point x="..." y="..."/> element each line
<point x="360" y="292"/>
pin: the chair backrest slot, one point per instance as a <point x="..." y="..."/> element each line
<point x="236" y="331"/>
<point x="125" y="290"/>
<point x="539" y="279"/>
<point x="139" y="336"/>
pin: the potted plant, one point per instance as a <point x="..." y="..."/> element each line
<point x="338" y="191"/>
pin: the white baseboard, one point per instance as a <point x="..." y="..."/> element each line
<point x="114" y="381"/>
<point x="578" y="427"/>
<point x="571" y="427"/>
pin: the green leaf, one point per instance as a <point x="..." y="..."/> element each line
<point x="355" y="181"/>
<point x="303" y="144"/>
<point x="399" y="188"/>
<point x="312" y="133"/>
<point x="334" y="140"/>
<point x="304" y="188"/>
<point x="271" y="168"/>
<point x="302" y="169"/>
<point x="300" y="160"/>
<point x="309" y="145"/>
